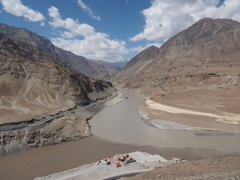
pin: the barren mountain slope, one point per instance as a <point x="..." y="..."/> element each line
<point x="34" y="90"/>
<point x="197" y="69"/>
<point x="208" y="41"/>
<point x="208" y="46"/>
<point x="21" y="50"/>
<point x="136" y="64"/>
<point x="30" y="89"/>
<point x="70" y="59"/>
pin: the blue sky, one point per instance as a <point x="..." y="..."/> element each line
<point x="111" y="30"/>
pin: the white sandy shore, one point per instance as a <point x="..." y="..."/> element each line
<point x="229" y="118"/>
<point x="118" y="98"/>
<point x="166" y="125"/>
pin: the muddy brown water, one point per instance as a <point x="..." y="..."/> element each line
<point x="118" y="129"/>
<point x="121" y="123"/>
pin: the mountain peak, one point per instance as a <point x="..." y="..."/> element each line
<point x="204" y="37"/>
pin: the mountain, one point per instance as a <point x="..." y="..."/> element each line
<point x="210" y="46"/>
<point x="107" y="65"/>
<point x="209" y="41"/>
<point x="30" y="88"/>
<point x="120" y="64"/>
<point x="68" y="58"/>
<point x="137" y="64"/>
<point x="21" y="50"/>
<point x="197" y="70"/>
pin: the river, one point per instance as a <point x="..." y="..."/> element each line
<point x="121" y="123"/>
<point x="118" y="129"/>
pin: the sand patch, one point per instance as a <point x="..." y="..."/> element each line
<point x="225" y="118"/>
<point x="118" y="98"/>
<point x="167" y="125"/>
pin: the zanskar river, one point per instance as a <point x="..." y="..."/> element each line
<point x="119" y="129"/>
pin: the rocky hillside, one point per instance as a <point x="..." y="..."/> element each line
<point x="137" y="64"/>
<point x="210" y="48"/>
<point x="31" y="89"/>
<point x="71" y="60"/>
<point x="21" y="50"/>
<point x="198" y="69"/>
<point x="34" y="90"/>
<point x="215" y="168"/>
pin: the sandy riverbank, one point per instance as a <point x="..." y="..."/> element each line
<point x="169" y="117"/>
<point x="118" y="98"/>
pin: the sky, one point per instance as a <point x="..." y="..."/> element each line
<point x="111" y="30"/>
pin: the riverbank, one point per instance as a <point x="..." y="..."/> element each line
<point x="117" y="129"/>
<point x="116" y="99"/>
<point x="191" y="111"/>
<point x="67" y="126"/>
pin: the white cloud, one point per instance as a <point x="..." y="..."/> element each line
<point x="140" y="48"/>
<point x="93" y="45"/>
<point x="137" y="49"/>
<point x="88" y="10"/>
<point x="16" y="8"/>
<point x="166" y="18"/>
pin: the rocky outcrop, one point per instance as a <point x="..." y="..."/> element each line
<point x="61" y="56"/>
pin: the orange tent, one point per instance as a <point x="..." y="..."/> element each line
<point x="118" y="164"/>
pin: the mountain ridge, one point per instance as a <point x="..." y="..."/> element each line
<point x="29" y="80"/>
<point x="68" y="58"/>
<point x="204" y="47"/>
